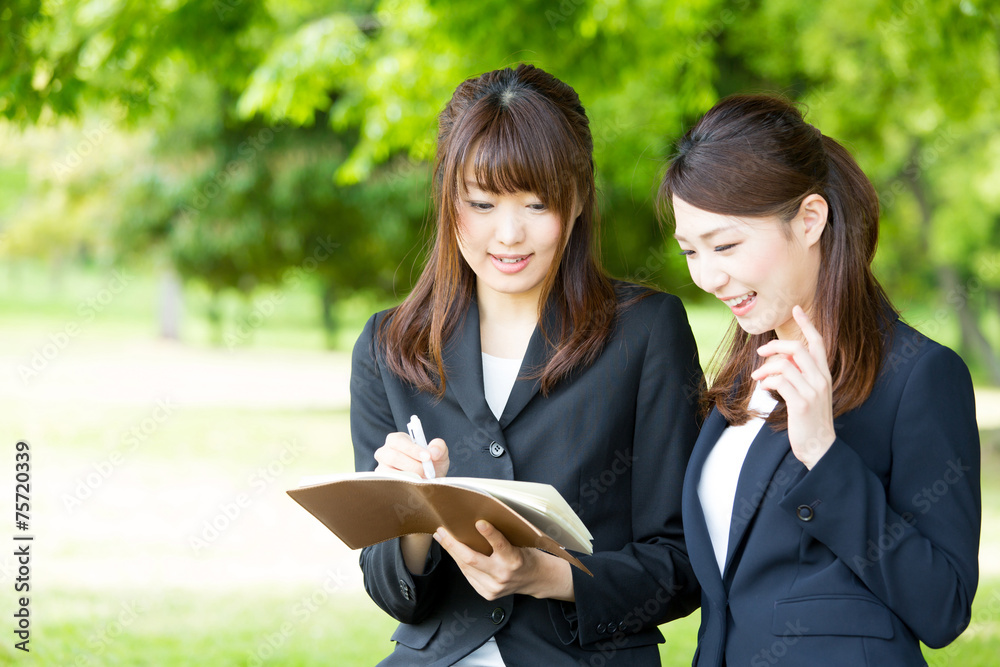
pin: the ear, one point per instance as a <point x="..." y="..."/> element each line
<point x="813" y="213"/>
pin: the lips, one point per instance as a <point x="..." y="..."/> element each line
<point x="741" y="305"/>
<point x="736" y="301"/>
<point x="510" y="263"/>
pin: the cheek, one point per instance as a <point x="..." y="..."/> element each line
<point x="548" y="235"/>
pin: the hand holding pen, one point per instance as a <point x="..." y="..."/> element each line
<point x="412" y="453"/>
<point x="416" y="431"/>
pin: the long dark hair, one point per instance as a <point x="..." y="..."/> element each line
<point x="755" y="156"/>
<point x="522" y="130"/>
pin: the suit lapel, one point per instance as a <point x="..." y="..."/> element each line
<point x="699" y="543"/>
<point x="766" y="453"/>
<point x="527" y="385"/>
<point x="463" y="365"/>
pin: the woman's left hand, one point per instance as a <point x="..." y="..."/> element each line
<point x="800" y="373"/>
<point x="509" y="569"/>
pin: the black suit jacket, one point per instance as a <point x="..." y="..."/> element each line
<point x="875" y="548"/>
<point x="614" y="440"/>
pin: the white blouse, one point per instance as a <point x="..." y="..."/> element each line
<point x="721" y="473"/>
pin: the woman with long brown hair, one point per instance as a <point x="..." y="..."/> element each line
<point x="524" y="361"/>
<point x="832" y="502"/>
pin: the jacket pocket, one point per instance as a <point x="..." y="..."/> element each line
<point x="846" y="615"/>
<point x="416" y="635"/>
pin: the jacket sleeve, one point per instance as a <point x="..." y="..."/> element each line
<point x="650" y="580"/>
<point x="915" y="541"/>
<point x="404" y="596"/>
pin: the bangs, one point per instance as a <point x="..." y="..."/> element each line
<point x="521" y="146"/>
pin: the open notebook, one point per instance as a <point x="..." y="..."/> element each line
<point x="365" y="508"/>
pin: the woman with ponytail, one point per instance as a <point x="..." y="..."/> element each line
<point x="832" y="502"/>
<point x="524" y="361"/>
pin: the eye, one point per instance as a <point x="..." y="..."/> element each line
<point x="725" y="247"/>
<point x="480" y="205"/>
<point x="538" y="206"/>
<point x="686" y="253"/>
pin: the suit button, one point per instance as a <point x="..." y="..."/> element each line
<point x="612" y="628"/>
<point x="601" y="628"/>
<point x="405" y="590"/>
<point x="498" y="615"/>
<point x="804" y="512"/>
<point x="496" y="449"/>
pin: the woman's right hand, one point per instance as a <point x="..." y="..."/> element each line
<point x="400" y="453"/>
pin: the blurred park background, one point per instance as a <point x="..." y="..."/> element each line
<point x="201" y="201"/>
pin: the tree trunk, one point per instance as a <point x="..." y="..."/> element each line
<point x="214" y="314"/>
<point x="974" y="341"/>
<point x="329" y="300"/>
<point x="171" y="305"/>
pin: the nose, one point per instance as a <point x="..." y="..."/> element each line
<point x="708" y="275"/>
<point x="510" y="226"/>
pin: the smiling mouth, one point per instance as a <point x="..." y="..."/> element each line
<point x="510" y="259"/>
<point x="739" y="300"/>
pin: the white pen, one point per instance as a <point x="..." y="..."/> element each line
<point x="417" y="435"/>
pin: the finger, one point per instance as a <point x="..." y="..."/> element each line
<point x="463" y="554"/>
<point x="394" y="460"/>
<point x="783" y="369"/>
<point x="791" y="393"/>
<point x="774" y="366"/>
<point x="817" y="346"/>
<point x="798" y="354"/>
<point x="496" y="539"/>
<point x="401" y="442"/>
<point x="438" y="451"/>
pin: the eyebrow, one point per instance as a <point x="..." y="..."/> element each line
<point x="709" y="234"/>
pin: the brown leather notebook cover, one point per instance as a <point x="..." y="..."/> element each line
<point x="363" y="512"/>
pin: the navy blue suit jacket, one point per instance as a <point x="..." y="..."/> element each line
<point x="614" y="440"/>
<point x="875" y="548"/>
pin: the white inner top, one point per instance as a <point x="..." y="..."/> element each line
<point x="499" y="376"/>
<point x="721" y="474"/>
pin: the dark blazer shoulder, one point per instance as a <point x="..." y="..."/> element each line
<point x="907" y="349"/>
<point x="644" y="302"/>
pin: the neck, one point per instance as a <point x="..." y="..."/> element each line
<point x="506" y="321"/>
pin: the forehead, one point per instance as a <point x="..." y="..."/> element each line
<point x="692" y="224"/>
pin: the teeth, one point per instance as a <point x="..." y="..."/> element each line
<point x="510" y="260"/>
<point x="740" y="299"/>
